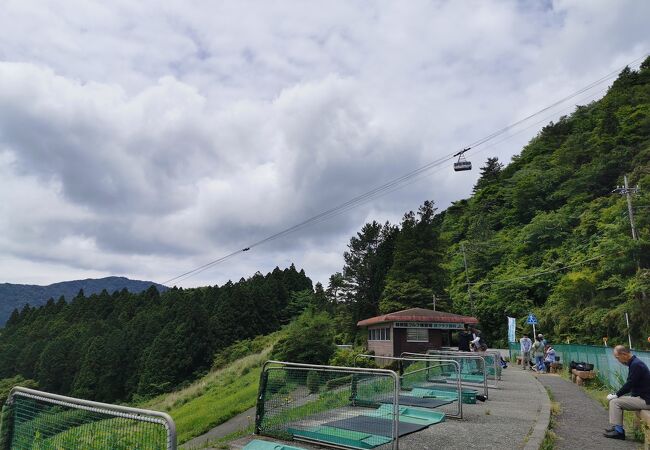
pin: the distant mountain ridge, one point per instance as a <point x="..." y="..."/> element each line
<point x="18" y="295"/>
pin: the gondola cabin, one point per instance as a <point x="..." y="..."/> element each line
<point x="462" y="164"/>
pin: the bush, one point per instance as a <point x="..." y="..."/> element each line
<point x="345" y="357"/>
<point x="309" y="340"/>
<point x="313" y="381"/>
<point x="239" y="350"/>
<point x="8" y="383"/>
<point x="338" y="382"/>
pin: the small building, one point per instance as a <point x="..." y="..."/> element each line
<point x="413" y="330"/>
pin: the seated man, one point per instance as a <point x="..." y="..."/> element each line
<point x="637" y="384"/>
<point x="549" y="357"/>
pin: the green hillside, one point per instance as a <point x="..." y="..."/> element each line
<point x="229" y="389"/>
<point x="543" y="233"/>
<point x="129" y="347"/>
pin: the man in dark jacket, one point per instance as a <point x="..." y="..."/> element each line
<point x="463" y="340"/>
<point x="637" y="385"/>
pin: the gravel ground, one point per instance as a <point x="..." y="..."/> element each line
<point x="503" y="422"/>
<point x="583" y="420"/>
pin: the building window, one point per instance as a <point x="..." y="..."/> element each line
<point x="379" y="334"/>
<point x="417" y="335"/>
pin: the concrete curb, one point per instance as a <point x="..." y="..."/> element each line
<point x="538" y="431"/>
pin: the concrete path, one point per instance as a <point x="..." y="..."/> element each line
<point x="583" y="420"/>
<point x="515" y="417"/>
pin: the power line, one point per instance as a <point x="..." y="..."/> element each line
<point x="481" y="284"/>
<point x="389" y="186"/>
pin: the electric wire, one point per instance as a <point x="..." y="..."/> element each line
<point x="393" y="184"/>
<point x="509" y="280"/>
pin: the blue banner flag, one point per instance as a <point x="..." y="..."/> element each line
<point x="512" y="324"/>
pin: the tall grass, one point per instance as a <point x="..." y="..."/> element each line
<point x="217" y="397"/>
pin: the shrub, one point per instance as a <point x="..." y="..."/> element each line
<point x="309" y="340"/>
<point x="313" y="381"/>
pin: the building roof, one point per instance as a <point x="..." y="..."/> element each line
<point x="418" y="315"/>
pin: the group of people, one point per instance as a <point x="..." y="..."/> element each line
<point x="470" y="340"/>
<point x="537" y="355"/>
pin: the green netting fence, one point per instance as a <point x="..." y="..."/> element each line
<point x="492" y="361"/>
<point x="342" y="407"/>
<point x="473" y="368"/>
<point x="609" y="370"/>
<point x="429" y="382"/>
<point x="41" y="421"/>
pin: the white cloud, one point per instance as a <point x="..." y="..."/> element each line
<point x="144" y="141"/>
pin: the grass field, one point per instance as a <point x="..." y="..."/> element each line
<point x="215" y="398"/>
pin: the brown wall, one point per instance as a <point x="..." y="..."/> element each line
<point x="401" y="345"/>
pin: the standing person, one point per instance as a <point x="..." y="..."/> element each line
<point x="542" y="340"/>
<point x="463" y="339"/>
<point x="538" y="354"/>
<point x="525" y="345"/>
<point x="637" y="385"/>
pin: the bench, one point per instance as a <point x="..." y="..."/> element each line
<point x="579" y="376"/>
<point x="643" y="420"/>
<point x="556" y="367"/>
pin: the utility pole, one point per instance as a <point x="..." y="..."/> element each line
<point x="434" y="302"/>
<point x="627" y="191"/>
<point x="469" y="293"/>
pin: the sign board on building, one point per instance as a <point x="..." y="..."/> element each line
<point x="432" y="325"/>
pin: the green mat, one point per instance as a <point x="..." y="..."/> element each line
<point x="409" y="415"/>
<point x="466" y="378"/>
<point x="443" y="394"/>
<point x="266" y="445"/>
<point x="437" y="387"/>
<point x="347" y="438"/>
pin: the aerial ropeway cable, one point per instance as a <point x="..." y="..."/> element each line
<point x="460" y="165"/>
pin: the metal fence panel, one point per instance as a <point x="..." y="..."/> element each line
<point x="343" y="407"/>
<point x="39" y="420"/>
<point x="473" y="368"/>
<point x="492" y="361"/>
<point x="426" y="377"/>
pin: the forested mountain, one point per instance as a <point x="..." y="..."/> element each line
<point x="121" y="346"/>
<point x="14" y="296"/>
<point x="544" y="234"/>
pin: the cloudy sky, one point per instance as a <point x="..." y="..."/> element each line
<point x="143" y="140"/>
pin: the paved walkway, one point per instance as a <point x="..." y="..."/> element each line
<point x="583" y="420"/>
<point x="510" y="419"/>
